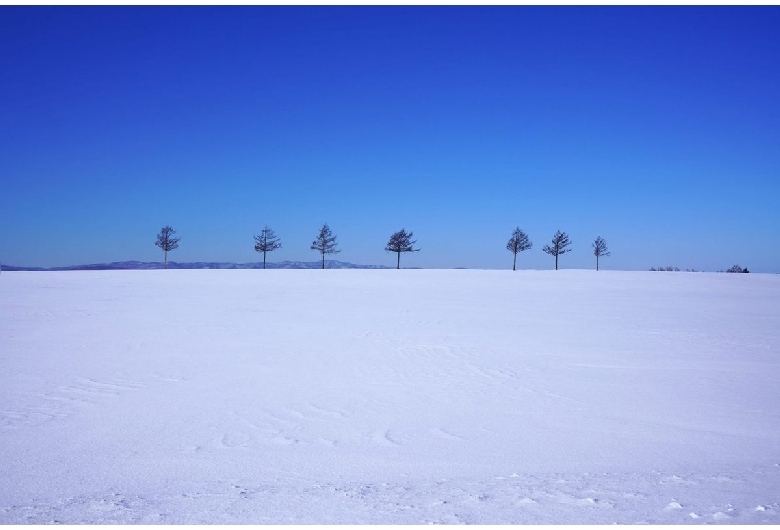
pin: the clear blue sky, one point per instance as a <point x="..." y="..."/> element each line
<point x="657" y="128"/>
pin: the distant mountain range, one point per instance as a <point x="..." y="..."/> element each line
<point x="146" y="265"/>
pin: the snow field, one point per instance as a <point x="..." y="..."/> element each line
<point x="384" y="396"/>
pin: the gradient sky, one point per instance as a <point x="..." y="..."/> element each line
<point x="657" y="128"/>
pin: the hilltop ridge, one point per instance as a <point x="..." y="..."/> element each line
<point x="151" y="265"/>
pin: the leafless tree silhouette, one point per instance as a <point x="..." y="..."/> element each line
<point x="267" y="242"/>
<point x="325" y="243"/>
<point x="399" y="242"/>
<point x="518" y="243"/>
<point x="600" y="249"/>
<point x="167" y="242"/>
<point x="560" y="242"/>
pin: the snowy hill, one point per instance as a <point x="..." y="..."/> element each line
<point x="385" y="396"/>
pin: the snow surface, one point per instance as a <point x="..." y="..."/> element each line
<point x="385" y="396"/>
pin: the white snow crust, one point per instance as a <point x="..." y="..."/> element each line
<point x="385" y="396"/>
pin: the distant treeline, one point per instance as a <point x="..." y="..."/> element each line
<point x="669" y="268"/>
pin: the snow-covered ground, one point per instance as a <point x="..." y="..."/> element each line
<point x="385" y="396"/>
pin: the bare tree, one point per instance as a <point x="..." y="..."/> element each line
<point x="518" y="243"/>
<point x="267" y="242"/>
<point x="600" y="249"/>
<point x="325" y="243"/>
<point x="401" y="242"/>
<point x="167" y="242"/>
<point x="560" y="242"/>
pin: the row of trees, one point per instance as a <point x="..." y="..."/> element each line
<point x="401" y="241"/>
<point x="519" y="242"/>
<point x="326" y="243"/>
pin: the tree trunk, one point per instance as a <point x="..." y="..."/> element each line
<point x="597" y="262"/>
<point x="165" y="252"/>
<point x="514" y="263"/>
<point x="323" y="261"/>
<point x="398" y="263"/>
<point x="556" y="262"/>
<point x="264" y="260"/>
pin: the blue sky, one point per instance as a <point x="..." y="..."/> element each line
<point x="654" y="127"/>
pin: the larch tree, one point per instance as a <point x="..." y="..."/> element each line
<point x="167" y="242"/>
<point x="560" y="244"/>
<point x="267" y="241"/>
<point x="325" y="243"/>
<point x="600" y="249"/>
<point x="399" y="242"/>
<point x="519" y="242"/>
